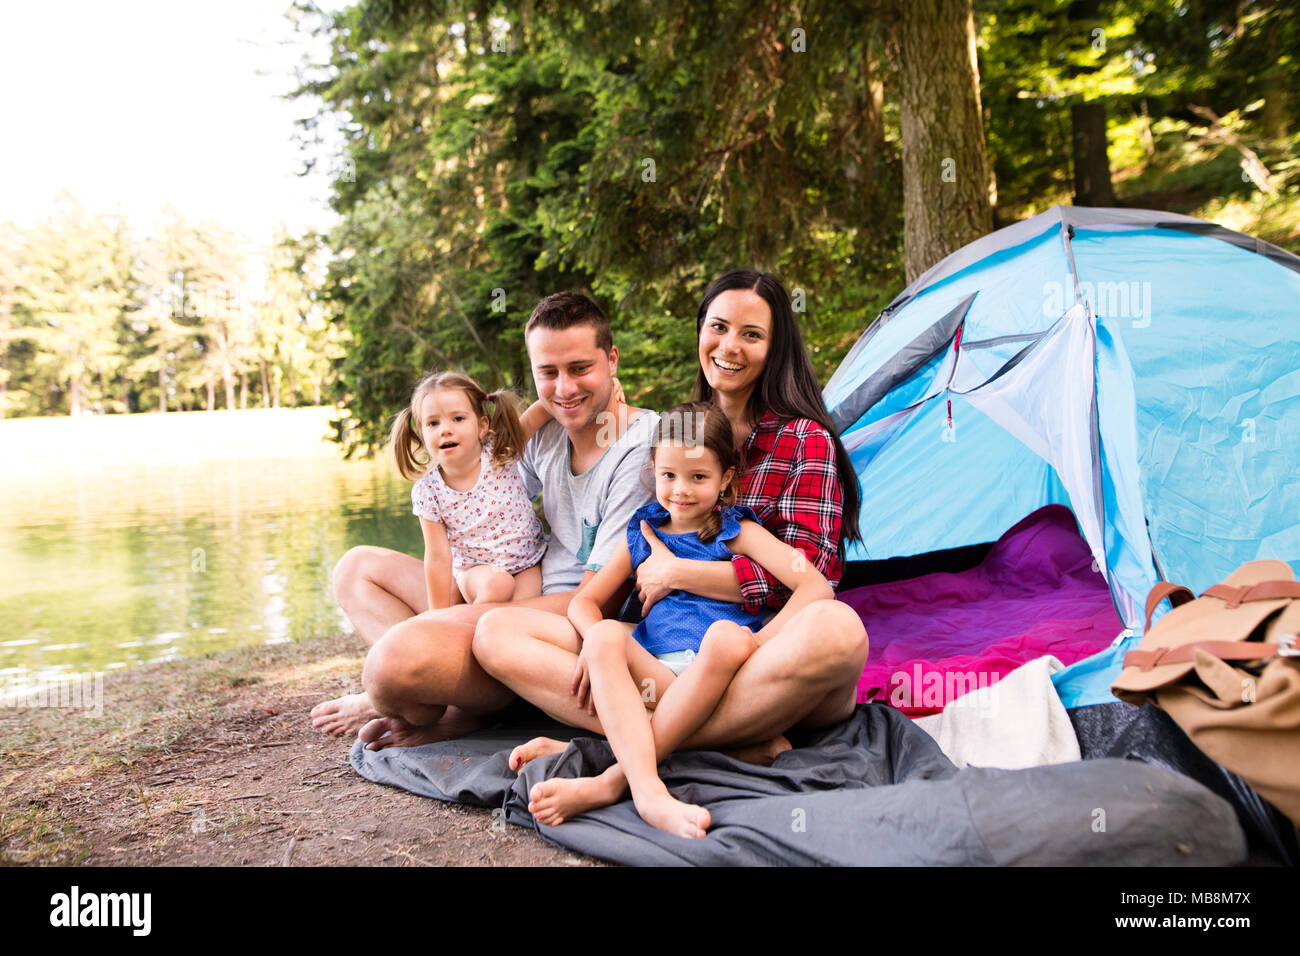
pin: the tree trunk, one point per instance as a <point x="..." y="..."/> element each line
<point x="1091" y="162"/>
<point x="946" y="174"/>
<point x="1148" y="140"/>
<point x="1274" y="117"/>
<point x="874" y="111"/>
<point x="228" y="376"/>
<point x="872" y="105"/>
<point x="1088" y="120"/>
<point x="293" y="393"/>
<point x="276" y="376"/>
<point x="243" y="390"/>
<point x="266" y="389"/>
<point x="1274" y="109"/>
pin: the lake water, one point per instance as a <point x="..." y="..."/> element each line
<point x="125" y="540"/>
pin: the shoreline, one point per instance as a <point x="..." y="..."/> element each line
<point x="213" y="761"/>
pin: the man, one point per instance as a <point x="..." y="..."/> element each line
<point x="421" y="681"/>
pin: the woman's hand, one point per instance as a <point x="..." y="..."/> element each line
<point x="654" y="578"/>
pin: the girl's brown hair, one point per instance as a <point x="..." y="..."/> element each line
<point x="704" y="425"/>
<point x="504" y="429"/>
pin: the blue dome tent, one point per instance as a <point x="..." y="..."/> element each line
<point x="1141" y="368"/>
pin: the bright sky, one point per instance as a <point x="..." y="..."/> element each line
<point x="134" y="103"/>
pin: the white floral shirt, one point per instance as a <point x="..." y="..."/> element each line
<point x="493" y="523"/>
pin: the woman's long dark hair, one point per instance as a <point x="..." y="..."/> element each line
<point x="787" y="385"/>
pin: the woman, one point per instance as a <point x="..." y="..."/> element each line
<point x="796" y="474"/>
<point x="799" y="481"/>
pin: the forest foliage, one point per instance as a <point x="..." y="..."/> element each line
<point x="97" y="317"/>
<point x="500" y="151"/>
<point x="496" y="151"/>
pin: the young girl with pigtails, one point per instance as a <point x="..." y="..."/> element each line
<point x="482" y="539"/>
<point x="655" y="684"/>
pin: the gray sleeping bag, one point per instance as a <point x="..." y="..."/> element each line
<point x="874" y="790"/>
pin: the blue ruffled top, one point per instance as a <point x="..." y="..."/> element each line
<point x="677" y="622"/>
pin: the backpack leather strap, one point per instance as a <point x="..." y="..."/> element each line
<point x="1263" y="591"/>
<point x="1223" y="650"/>
<point x="1176" y="593"/>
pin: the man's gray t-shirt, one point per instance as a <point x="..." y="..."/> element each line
<point x="588" y="513"/>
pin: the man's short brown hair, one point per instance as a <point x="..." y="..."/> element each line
<point x="563" y="310"/>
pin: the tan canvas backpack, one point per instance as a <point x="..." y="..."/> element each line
<point x="1226" y="667"/>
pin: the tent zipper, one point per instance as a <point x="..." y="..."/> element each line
<point x="947" y="388"/>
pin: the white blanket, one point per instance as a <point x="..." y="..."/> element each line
<point x="1015" y="723"/>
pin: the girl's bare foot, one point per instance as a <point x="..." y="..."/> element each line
<point x="537" y="747"/>
<point x="664" y="812"/>
<point x="343" y="715"/>
<point x="551" y="802"/>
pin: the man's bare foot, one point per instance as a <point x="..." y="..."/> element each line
<point x="385" y="732"/>
<point x="395" y="732"/>
<point x="343" y="715"/>
<point x="551" y="802"/>
<point x="761" y="754"/>
<point x="664" y="812"/>
<point x="537" y="747"/>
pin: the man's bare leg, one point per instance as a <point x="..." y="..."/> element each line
<point x="377" y="588"/>
<point x="422" y="676"/>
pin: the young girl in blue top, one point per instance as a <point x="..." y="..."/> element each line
<point x="680" y="659"/>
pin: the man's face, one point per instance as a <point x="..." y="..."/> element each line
<point x="574" y="376"/>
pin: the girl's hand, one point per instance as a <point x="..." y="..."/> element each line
<point x="619" y="397"/>
<point x="654" y="576"/>
<point x="581" y="684"/>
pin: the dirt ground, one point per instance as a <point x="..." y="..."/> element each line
<point x="214" y="762"/>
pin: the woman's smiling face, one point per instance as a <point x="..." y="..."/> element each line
<point x="734" y="340"/>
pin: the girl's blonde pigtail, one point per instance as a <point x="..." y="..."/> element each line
<point x="505" y="428"/>
<point x="405" y="443"/>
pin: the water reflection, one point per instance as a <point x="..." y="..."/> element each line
<point x="143" y="562"/>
